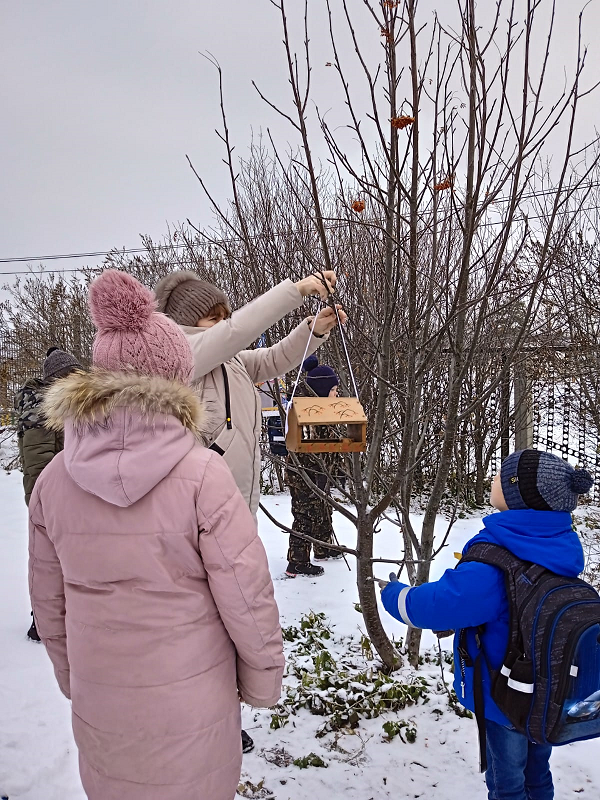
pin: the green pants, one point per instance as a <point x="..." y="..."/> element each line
<point x="312" y="516"/>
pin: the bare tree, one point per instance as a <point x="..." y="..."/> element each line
<point x="444" y="197"/>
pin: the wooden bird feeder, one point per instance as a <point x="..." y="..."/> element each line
<point x="344" y="414"/>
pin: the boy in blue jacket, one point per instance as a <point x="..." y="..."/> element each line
<point x="534" y="493"/>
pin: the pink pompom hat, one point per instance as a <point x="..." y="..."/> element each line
<point x="132" y="334"/>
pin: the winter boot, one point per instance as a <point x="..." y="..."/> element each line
<point x="247" y="743"/>
<point x="295" y="568"/>
<point x="328" y="555"/>
<point x="32" y="632"/>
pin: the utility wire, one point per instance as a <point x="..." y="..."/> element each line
<point x="216" y="242"/>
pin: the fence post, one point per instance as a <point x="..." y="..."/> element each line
<point x="504" y="410"/>
<point x="523" y="408"/>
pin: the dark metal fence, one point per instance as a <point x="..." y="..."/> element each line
<point x="20" y="360"/>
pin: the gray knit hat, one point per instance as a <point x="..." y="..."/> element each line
<point x="186" y="298"/>
<point x="542" y="481"/>
<point x="59" y="362"/>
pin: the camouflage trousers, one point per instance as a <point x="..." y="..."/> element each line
<point x="312" y="516"/>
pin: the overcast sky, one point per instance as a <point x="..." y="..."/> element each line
<point x="102" y="101"/>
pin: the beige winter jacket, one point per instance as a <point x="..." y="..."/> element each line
<point x="224" y="344"/>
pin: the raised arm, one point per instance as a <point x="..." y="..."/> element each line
<point x="266" y="363"/>
<point x="263" y="364"/>
<point x="240" y="583"/>
<point x="213" y="346"/>
<point x="47" y="590"/>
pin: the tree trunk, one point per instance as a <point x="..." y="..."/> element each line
<point x="413" y="645"/>
<point x="368" y="598"/>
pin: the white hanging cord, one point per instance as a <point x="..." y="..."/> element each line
<point x="350" y="370"/>
<point x="289" y="405"/>
<point x="341" y="330"/>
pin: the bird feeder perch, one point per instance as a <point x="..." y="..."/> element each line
<point x="344" y="414"/>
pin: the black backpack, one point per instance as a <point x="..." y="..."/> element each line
<point x="276" y="435"/>
<point x="549" y="682"/>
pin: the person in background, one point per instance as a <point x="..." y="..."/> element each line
<point x="149" y="583"/>
<point x="312" y="514"/>
<point x="37" y="444"/>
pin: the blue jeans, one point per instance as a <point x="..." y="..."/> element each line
<point x="517" y="769"/>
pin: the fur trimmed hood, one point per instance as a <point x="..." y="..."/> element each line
<point x="124" y="432"/>
<point x="88" y="398"/>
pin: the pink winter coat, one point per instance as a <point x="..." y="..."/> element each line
<point x="151" y="591"/>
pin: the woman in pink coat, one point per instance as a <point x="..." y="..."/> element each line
<point x="149" y="584"/>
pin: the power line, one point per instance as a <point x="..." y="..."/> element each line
<point x="44" y="271"/>
<point x="487" y="224"/>
<point x="95" y="254"/>
<point x="82" y="255"/>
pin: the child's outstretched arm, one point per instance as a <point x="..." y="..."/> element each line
<point x="266" y="363"/>
<point x="464" y="597"/>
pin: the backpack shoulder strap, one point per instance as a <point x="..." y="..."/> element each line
<point x="500" y="557"/>
<point x="519" y="576"/>
<point x="227" y="397"/>
<point x="493" y="554"/>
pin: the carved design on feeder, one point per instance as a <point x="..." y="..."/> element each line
<point x="342" y="409"/>
<point x="314" y="410"/>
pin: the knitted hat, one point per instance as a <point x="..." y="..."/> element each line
<point x="59" y="362"/>
<point x="310" y="363"/>
<point x="320" y="379"/>
<point x="542" y="481"/>
<point x="131" y="334"/>
<point x="186" y="298"/>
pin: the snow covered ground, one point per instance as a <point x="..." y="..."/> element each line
<point x="38" y="759"/>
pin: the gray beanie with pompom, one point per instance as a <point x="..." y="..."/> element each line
<point x="186" y="298"/>
<point x="542" y="481"/>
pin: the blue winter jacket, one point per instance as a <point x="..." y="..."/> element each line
<point x="473" y="594"/>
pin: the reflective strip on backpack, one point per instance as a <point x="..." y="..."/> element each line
<point x="574" y="671"/>
<point x="505" y="671"/>
<point x="526" y="688"/>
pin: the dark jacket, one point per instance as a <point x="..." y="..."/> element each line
<point x="473" y="594"/>
<point x="37" y="444"/>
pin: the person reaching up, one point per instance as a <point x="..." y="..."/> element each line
<point x="225" y="372"/>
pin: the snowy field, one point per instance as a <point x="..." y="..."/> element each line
<point x="38" y="759"/>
